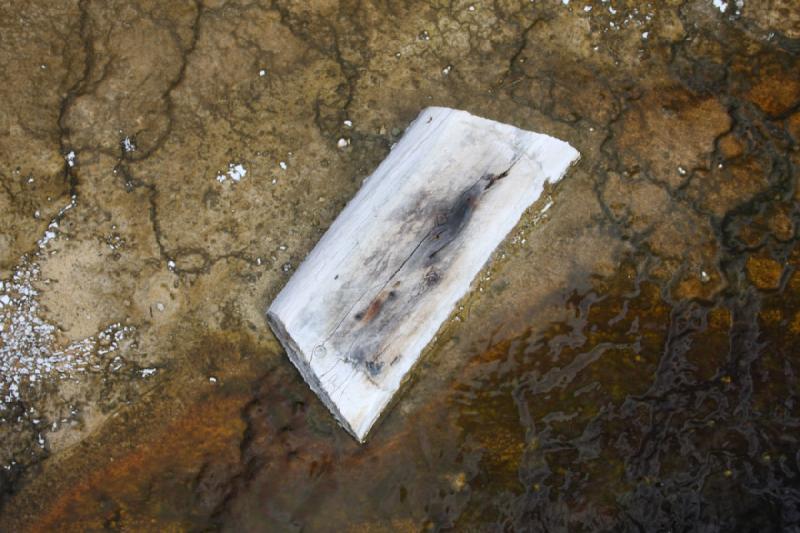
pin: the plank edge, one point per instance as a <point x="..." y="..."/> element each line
<point x="298" y="360"/>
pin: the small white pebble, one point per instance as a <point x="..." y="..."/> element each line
<point x="212" y="379"/>
<point x="283" y="165"/>
<point x="348" y="123"/>
<point x="446" y="70"/>
<point x="343" y="143"/>
<point x="160" y="306"/>
<point x="262" y="72"/>
<point x="645" y="34"/>
<point x="236" y="171"/>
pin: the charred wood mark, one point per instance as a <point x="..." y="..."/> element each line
<point x="432" y="277"/>
<point x="374" y="367"/>
<point x="493" y="179"/>
<point x="454" y="221"/>
<point x="450" y="225"/>
<point x="389" y="305"/>
<point x="357" y="357"/>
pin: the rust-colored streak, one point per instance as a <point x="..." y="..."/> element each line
<point x="373" y="309"/>
<point x="206" y="429"/>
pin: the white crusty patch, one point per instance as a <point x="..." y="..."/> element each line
<point x="235" y="173"/>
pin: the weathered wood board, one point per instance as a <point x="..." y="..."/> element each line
<point x="357" y="313"/>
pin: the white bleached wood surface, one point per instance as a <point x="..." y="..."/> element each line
<point x="357" y="313"/>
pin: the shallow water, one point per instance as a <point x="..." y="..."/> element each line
<point x="633" y="414"/>
<point x="628" y="361"/>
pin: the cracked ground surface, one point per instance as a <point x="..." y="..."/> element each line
<point x="628" y="361"/>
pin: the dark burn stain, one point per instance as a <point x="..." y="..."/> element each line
<point x="453" y="221"/>
<point x="448" y="224"/>
<point x="493" y="179"/>
<point x="374" y="367"/>
<point x="432" y="277"/>
<point x="358" y="357"/>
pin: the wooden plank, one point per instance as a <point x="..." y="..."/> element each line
<point x="357" y="313"/>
